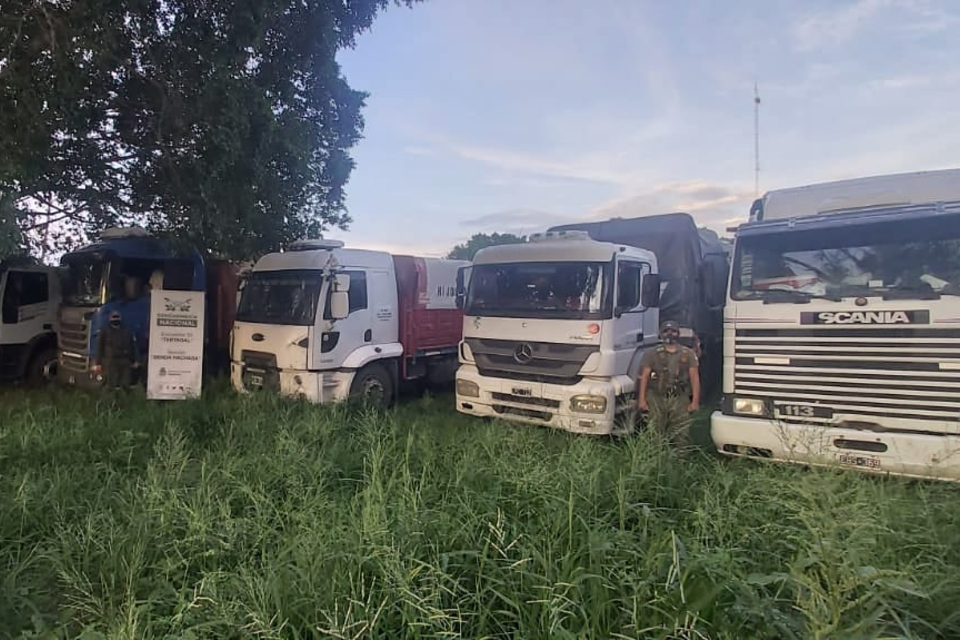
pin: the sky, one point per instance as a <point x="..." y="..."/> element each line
<point x="515" y="115"/>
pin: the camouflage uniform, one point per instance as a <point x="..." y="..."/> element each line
<point x="117" y="354"/>
<point x="669" y="390"/>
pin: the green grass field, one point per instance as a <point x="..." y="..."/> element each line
<point x="257" y="518"/>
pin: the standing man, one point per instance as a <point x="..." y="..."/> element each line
<point x="674" y="371"/>
<point x="117" y="355"/>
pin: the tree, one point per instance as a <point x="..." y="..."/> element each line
<point x="226" y="124"/>
<point x="467" y="250"/>
<point x="12" y="242"/>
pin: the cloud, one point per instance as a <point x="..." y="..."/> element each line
<point x="542" y="165"/>
<point x="419" y="151"/>
<point x="517" y="221"/>
<point x="842" y="22"/>
<point x="713" y="205"/>
<point x="836" y="24"/>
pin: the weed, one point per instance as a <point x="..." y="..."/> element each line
<point x="246" y="517"/>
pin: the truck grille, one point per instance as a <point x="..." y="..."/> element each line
<point x="74" y="342"/>
<point x="897" y="373"/>
<point x="539" y="361"/>
<point x="539" y="402"/>
<point x="260" y="371"/>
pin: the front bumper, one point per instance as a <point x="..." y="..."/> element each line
<point x="549" y="404"/>
<point x="81" y="379"/>
<point x="314" y="386"/>
<point x="914" y="455"/>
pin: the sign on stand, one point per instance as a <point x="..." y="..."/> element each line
<point x="175" y="367"/>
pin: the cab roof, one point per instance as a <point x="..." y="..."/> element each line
<point x="892" y="190"/>
<point x="566" y="250"/>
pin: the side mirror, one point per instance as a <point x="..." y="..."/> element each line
<point x="341" y="282"/>
<point x="713" y="280"/>
<point x="339" y="305"/>
<point x="650" y="291"/>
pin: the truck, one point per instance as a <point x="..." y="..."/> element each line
<point x="30" y="295"/>
<point x="118" y="272"/>
<point x="842" y="327"/>
<point x="553" y="330"/>
<point x="694" y="267"/>
<point x="328" y="323"/>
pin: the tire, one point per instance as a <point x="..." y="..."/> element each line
<point x="373" y="387"/>
<point x="42" y="368"/>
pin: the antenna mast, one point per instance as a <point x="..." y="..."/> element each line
<point x="756" y="140"/>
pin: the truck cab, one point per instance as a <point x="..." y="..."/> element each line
<point x="842" y="327"/>
<point x="554" y="329"/>
<point x="117" y="272"/>
<point x="28" y="339"/>
<point x="327" y="323"/>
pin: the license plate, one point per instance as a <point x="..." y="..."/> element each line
<point x="256" y="381"/>
<point x="804" y="411"/>
<point x="858" y="460"/>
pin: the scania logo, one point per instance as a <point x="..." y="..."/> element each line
<point x="911" y="316"/>
<point x="523" y="354"/>
<point x="864" y="317"/>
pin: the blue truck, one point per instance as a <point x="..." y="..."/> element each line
<point x="117" y="272"/>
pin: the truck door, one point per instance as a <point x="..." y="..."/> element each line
<point x="345" y="336"/>
<point x="26" y="303"/>
<point x="628" y="312"/>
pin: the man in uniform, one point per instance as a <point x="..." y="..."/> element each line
<point x="116" y="354"/>
<point x="670" y="381"/>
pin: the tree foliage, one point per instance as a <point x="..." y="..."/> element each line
<point x="478" y="241"/>
<point x="225" y="123"/>
<point x="12" y="242"/>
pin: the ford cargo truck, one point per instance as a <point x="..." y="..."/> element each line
<point x="328" y="323"/>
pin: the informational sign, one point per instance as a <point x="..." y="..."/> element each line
<point x="175" y="365"/>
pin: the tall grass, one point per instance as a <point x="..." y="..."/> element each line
<point x="259" y="518"/>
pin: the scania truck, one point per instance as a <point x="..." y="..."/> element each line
<point x="117" y="272"/>
<point x="553" y="331"/>
<point x="842" y="327"/>
<point x="328" y="323"/>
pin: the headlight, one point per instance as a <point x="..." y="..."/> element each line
<point x="749" y="407"/>
<point x="468" y="388"/>
<point x="588" y="404"/>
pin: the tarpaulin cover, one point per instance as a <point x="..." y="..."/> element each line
<point x="680" y="248"/>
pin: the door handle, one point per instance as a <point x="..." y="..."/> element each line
<point x="48" y="327"/>
<point x="368" y="335"/>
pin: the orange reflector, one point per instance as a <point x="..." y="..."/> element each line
<point x="593" y="328"/>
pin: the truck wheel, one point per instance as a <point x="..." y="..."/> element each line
<point x="373" y="386"/>
<point x="42" y="368"/>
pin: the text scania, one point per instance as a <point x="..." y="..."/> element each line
<point x="864" y="317"/>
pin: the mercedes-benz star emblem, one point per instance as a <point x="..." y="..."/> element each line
<point x="523" y="353"/>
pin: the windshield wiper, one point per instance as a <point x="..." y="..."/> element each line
<point x="892" y="292"/>
<point x="775" y="296"/>
<point x="901" y="292"/>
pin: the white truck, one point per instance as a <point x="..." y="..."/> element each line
<point x="842" y="327"/>
<point x="30" y="297"/>
<point x="553" y="331"/>
<point x="328" y="323"/>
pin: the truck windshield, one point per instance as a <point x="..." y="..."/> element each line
<point x="574" y="290"/>
<point x="281" y="297"/>
<point x="83" y="282"/>
<point x="902" y="259"/>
